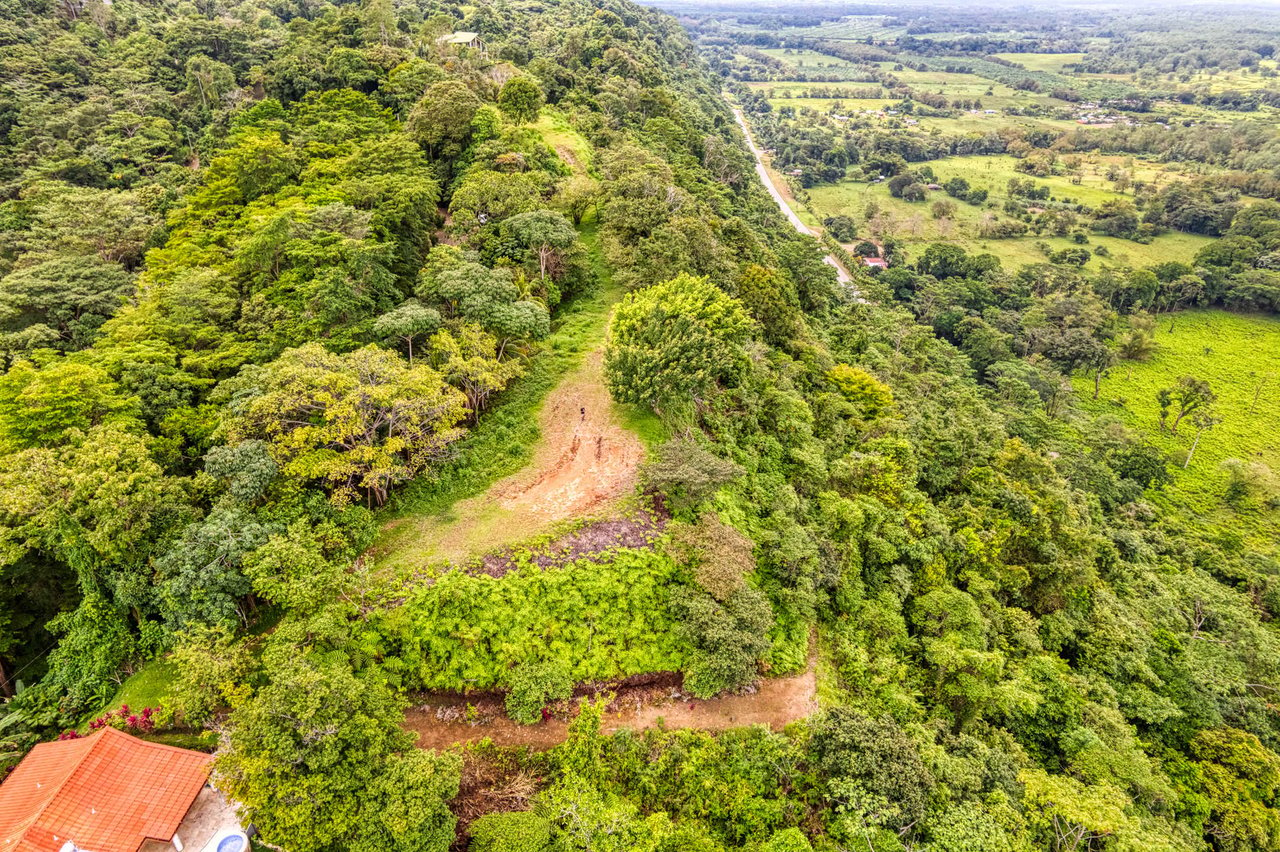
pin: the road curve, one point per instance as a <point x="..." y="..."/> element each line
<point x="842" y="274"/>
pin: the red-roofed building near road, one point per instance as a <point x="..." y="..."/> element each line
<point x="875" y="262"/>
<point x="107" y="792"/>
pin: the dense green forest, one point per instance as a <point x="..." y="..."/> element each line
<point x="292" y="292"/>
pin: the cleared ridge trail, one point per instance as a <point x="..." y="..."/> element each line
<point x="585" y="463"/>
<point x="842" y="274"/>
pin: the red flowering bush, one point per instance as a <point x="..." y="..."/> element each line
<point x="125" y="719"/>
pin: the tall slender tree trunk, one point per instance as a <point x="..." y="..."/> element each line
<point x="1257" y="392"/>
<point x="1195" y="443"/>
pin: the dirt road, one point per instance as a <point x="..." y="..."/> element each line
<point x="440" y="722"/>
<point x="584" y="461"/>
<point x="842" y="274"/>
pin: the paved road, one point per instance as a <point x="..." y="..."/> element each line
<point x="842" y="274"/>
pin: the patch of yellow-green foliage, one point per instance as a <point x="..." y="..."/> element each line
<point x="595" y="620"/>
<point x="1239" y="356"/>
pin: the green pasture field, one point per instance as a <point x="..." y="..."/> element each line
<point x="959" y="85"/>
<point x="914" y="224"/>
<point x="858" y="27"/>
<point x="963" y="123"/>
<point x="1002" y="100"/>
<point x="956" y="35"/>
<point x="797" y="88"/>
<point x="994" y="171"/>
<point x="1213" y="79"/>
<point x="851" y="106"/>
<point x="1019" y="251"/>
<point x="1239" y="355"/>
<point x="805" y="58"/>
<point x="984" y="123"/>
<point x="1054" y="62"/>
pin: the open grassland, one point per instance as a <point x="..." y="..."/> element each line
<point x="1006" y="104"/>
<point x="1054" y="62"/>
<point x="1239" y="355"/>
<point x="956" y="35"/>
<point x="798" y="89"/>
<point x="807" y="59"/>
<point x="858" y="27"/>
<point x="959" y="85"/>
<point x="575" y="150"/>
<point x="1093" y="188"/>
<point x="966" y="122"/>
<point x="1213" y="80"/>
<point x="915" y="225"/>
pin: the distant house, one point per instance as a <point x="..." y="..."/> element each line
<point x="933" y="186"/>
<point x="461" y="39"/>
<point x="875" y="262"/>
<point x="110" y="792"/>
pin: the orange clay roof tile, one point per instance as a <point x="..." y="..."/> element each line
<point x="108" y="792"/>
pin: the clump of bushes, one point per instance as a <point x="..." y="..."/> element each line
<point x="532" y="686"/>
<point x="515" y="831"/>
<point x="597" y="619"/>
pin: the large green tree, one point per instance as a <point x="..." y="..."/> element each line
<point x="674" y="343"/>
<point x="316" y="759"/>
<point x="358" y="423"/>
<point x="520" y="99"/>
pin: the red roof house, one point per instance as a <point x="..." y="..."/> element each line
<point x="875" y="262"/>
<point x="107" y="792"/>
